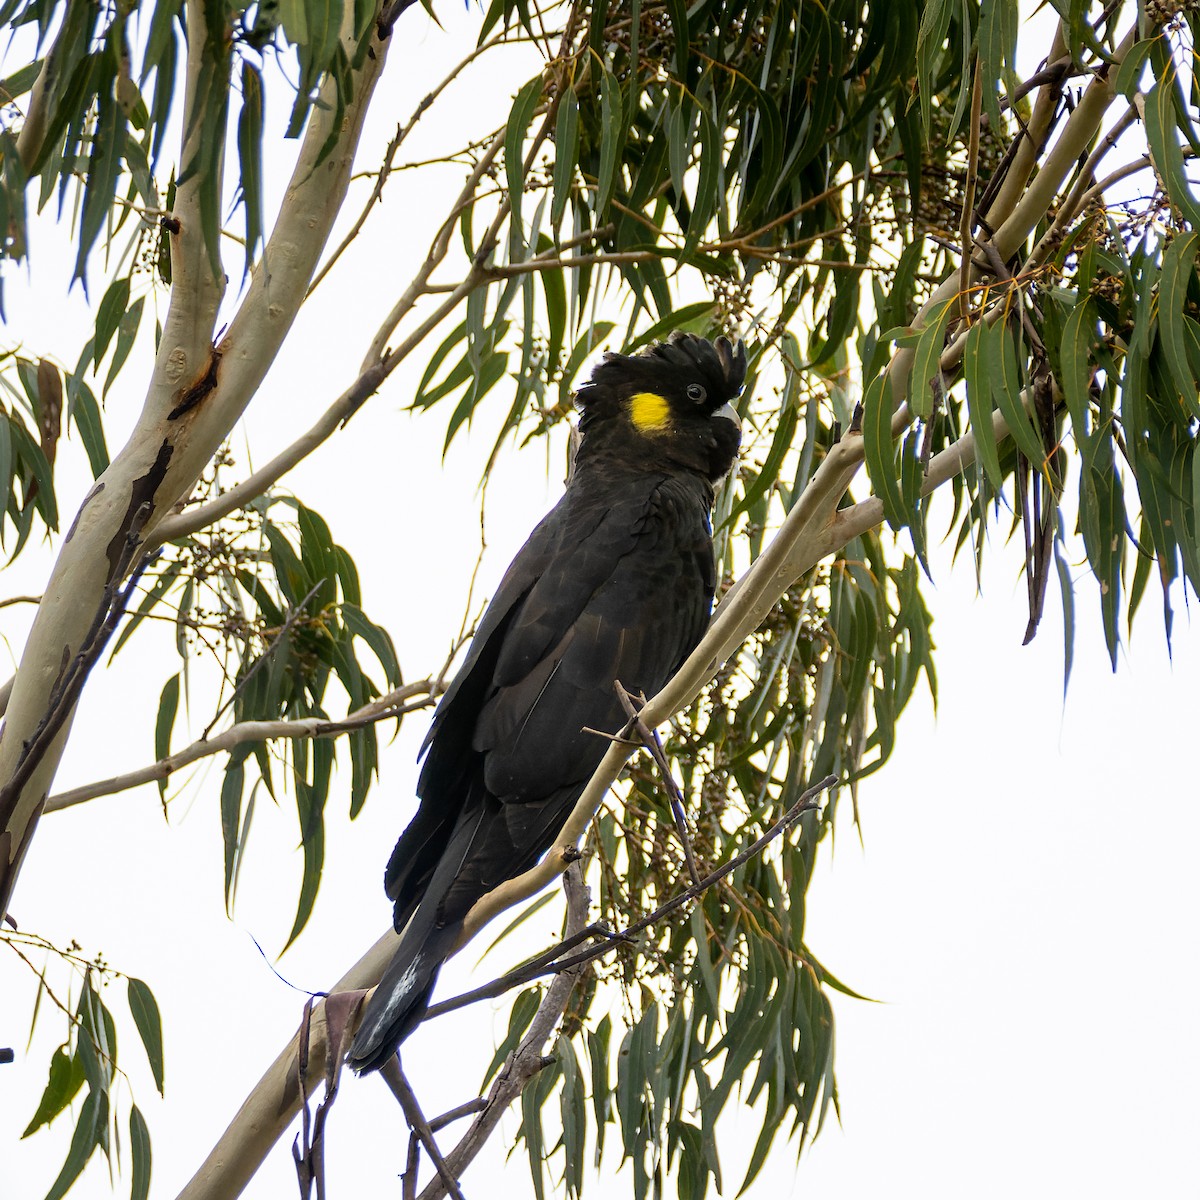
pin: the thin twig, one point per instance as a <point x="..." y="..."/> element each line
<point x="805" y="803"/>
<point x="389" y="158"/>
<point x="393" y="704"/>
<point x="525" y="1063"/>
<point x="535" y="968"/>
<point x="289" y="621"/>
<point x="551" y="962"/>
<point x="650" y="741"/>
<point x="393" y="1075"/>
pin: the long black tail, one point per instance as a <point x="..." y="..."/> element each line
<point x="427" y="939"/>
<point x="402" y="997"/>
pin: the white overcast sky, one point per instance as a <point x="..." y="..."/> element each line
<point x="1021" y="907"/>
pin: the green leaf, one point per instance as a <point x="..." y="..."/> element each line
<point x="66" y="1078"/>
<point x="139" y="1146"/>
<point x="566" y="153"/>
<point x="249" y="141"/>
<point x="168" y="706"/>
<point x="1129" y="73"/>
<point x="104" y="165"/>
<point x="935" y="21"/>
<point x="573" y="1112"/>
<point x="90" y="1130"/>
<point x="708" y="180"/>
<point x="1006" y="385"/>
<point x="20" y="81"/>
<point x="311" y="797"/>
<point x="523" y="1011"/>
<point x="126" y="333"/>
<point x="612" y="129"/>
<point x="83" y="409"/>
<point x="109" y="313"/>
<point x="1074" y="354"/>
<point x="522" y="112"/>
<point x="377" y="638"/>
<point x="232" y="828"/>
<point x="879" y="450"/>
<point x="926" y="369"/>
<point x="979" y="404"/>
<point x="598" y="1043"/>
<point x="1178" y="267"/>
<point x="997" y="46"/>
<point x="1164" y="146"/>
<point x="144" y="1009"/>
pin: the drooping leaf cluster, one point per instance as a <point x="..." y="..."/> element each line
<point x="88" y="115"/>
<point x="87" y="1062"/>
<point x="277" y="604"/>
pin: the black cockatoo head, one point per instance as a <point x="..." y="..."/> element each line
<point x="668" y="403"/>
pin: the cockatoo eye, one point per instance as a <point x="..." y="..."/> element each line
<point x="696" y="393"/>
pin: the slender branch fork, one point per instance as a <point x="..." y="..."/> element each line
<point x="556" y="959"/>
<point x="397" y="703"/>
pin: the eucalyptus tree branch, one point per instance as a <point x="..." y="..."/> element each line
<point x="69" y="684"/>
<point x="394" y="1077"/>
<point x="1073" y="141"/>
<point x="857" y="519"/>
<point x="1082" y="192"/>
<point x="553" y="962"/>
<point x="1033" y="133"/>
<point x="89" y="561"/>
<point x="377" y="351"/>
<point x="380" y="361"/>
<point x="377" y="366"/>
<point x="395" y="704"/>
<point x="274" y="1101"/>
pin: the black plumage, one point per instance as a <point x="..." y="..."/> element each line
<point x="616" y="582"/>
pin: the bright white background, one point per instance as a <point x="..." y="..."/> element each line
<point x="1022" y="907"/>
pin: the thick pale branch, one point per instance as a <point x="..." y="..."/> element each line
<point x="275" y="1099"/>
<point x="89" y="560"/>
<point x="197" y="391"/>
<point x="395" y="704"/>
<point x="1073" y="141"/>
<point x="377" y="366"/>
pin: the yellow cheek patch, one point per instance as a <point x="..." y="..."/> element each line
<point x="649" y="412"/>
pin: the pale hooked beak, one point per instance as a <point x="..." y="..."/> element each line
<point x="730" y="414"/>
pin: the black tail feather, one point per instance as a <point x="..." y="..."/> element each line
<point x="402" y="997"/>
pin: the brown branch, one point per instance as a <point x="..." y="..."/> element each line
<point x="394" y="1077"/>
<point x="551" y="961"/>
<point x="652" y="743"/>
